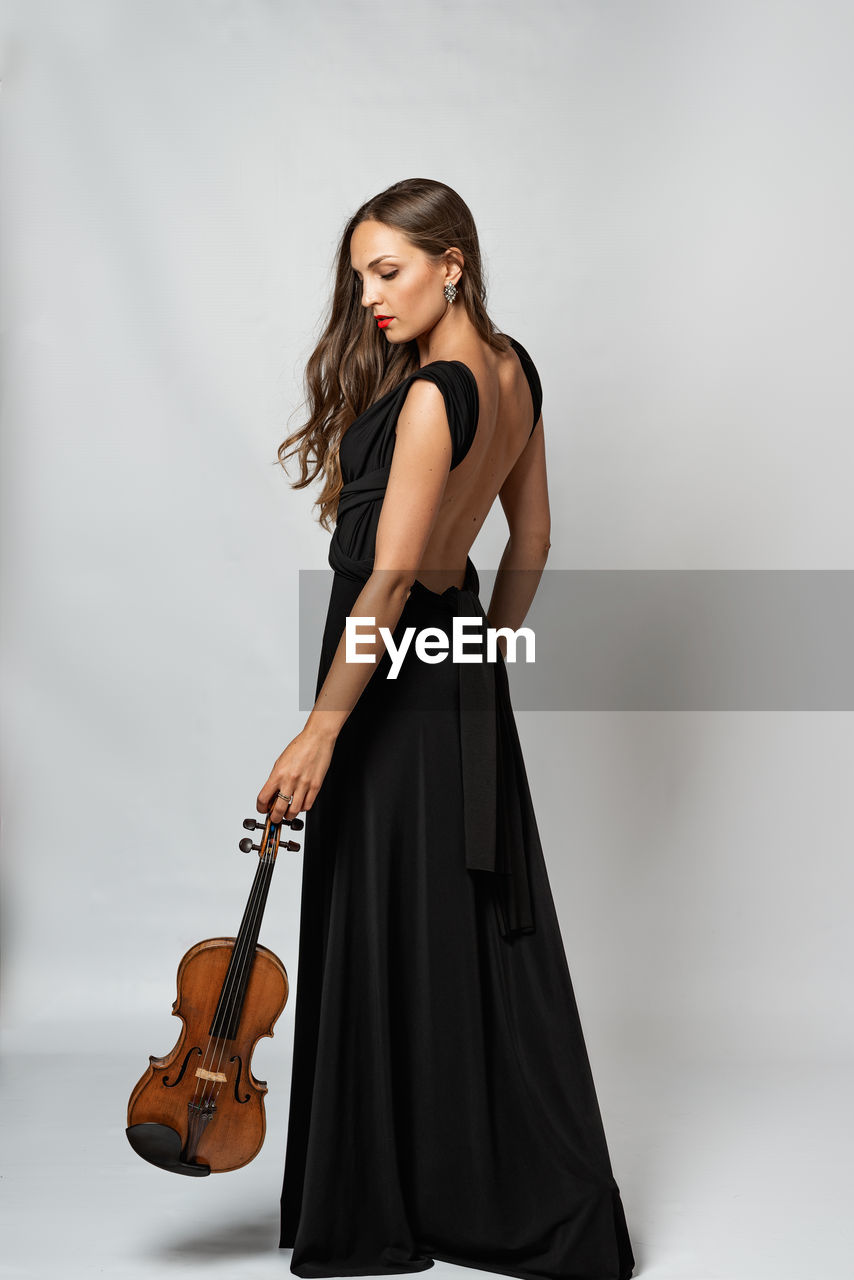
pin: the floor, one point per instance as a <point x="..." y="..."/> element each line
<point x="727" y="1170"/>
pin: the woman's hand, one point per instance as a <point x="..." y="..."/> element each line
<point x="299" y="771"/>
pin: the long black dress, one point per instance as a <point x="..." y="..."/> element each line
<point x="442" y="1103"/>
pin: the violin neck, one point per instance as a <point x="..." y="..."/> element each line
<point x="230" y="1005"/>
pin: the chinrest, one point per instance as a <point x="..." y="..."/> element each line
<point x="160" y="1144"/>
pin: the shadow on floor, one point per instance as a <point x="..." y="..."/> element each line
<point x="236" y="1239"/>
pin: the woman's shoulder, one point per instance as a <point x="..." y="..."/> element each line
<point x="458" y="386"/>
<point x="532" y="375"/>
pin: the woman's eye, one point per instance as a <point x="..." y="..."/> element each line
<point x="390" y="276"/>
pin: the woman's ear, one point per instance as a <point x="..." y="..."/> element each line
<point x="454" y="263"/>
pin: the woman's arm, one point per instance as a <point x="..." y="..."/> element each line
<point x="419" y="471"/>
<point x="525" y="499"/>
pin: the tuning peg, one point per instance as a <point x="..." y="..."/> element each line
<point x="246" y="846"/>
<point x="290" y="844"/>
<point x="252" y="824"/>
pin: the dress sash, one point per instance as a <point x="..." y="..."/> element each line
<point x="499" y="817"/>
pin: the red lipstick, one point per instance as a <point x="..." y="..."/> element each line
<point x="383" y="321"/>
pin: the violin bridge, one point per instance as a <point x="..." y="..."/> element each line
<point x="211" y="1075"/>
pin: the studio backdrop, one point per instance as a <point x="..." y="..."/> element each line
<point x="664" y="199"/>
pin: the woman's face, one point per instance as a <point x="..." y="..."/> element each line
<point x="398" y="281"/>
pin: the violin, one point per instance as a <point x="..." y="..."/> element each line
<point x="200" y="1110"/>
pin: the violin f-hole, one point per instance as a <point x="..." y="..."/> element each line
<point x="237" y="1058"/>
<point x="166" y="1082"/>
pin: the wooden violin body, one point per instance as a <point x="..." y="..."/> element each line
<point x="200" y="1109"/>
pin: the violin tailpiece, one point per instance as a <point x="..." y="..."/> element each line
<point x="199" y="1115"/>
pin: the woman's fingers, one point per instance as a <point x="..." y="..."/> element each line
<point x="267" y="794"/>
<point x="296" y="777"/>
<point x="286" y="808"/>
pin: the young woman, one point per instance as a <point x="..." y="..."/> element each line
<point x="442" y="1103"/>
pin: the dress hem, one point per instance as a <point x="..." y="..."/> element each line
<point x="310" y="1272"/>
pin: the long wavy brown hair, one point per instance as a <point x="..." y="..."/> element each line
<point x="352" y="364"/>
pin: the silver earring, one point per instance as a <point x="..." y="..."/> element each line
<point x="450" y="291"/>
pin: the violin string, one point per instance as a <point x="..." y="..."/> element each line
<point x="206" y="1065"/>
<point x="244" y="962"/>
<point x="231" y="993"/>
<point x="228" y="997"/>
<point x="221" y="1012"/>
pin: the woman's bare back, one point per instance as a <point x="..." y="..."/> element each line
<point x="505" y="458"/>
